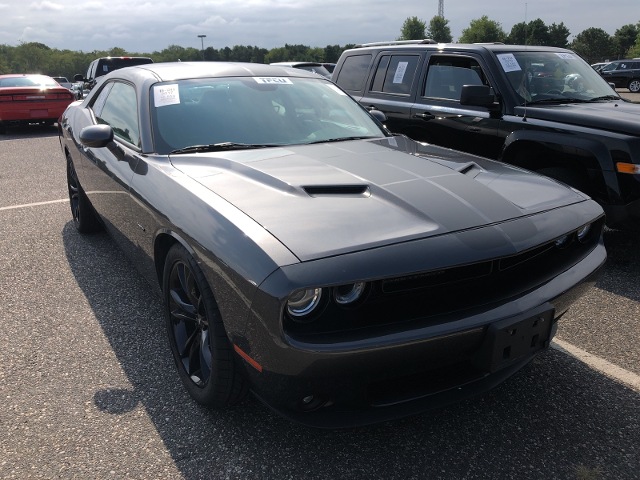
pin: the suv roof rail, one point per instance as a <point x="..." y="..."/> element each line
<point x="396" y="42"/>
<point x="488" y="43"/>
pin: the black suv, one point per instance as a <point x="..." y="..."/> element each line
<point x="623" y="74"/>
<point x="540" y="108"/>
<point x="102" y="66"/>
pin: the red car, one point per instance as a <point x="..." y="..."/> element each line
<point x="28" y="99"/>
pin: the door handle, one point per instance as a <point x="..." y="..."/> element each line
<point x="424" y="116"/>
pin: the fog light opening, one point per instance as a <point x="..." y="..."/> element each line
<point x="310" y="403"/>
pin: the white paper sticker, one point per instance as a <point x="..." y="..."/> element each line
<point x="273" y="80"/>
<point x="400" y="71"/>
<point x="166" y="95"/>
<point x="105" y="68"/>
<point x="509" y="62"/>
<point x="566" y="56"/>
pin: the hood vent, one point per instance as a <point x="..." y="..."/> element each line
<point x="337" y="190"/>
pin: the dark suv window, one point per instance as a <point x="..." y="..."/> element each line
<point x="447" y="75"/>
<point x="395" y="74"/>
<point x="355" y="72"/>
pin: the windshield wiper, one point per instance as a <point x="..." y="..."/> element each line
<point x="558" y="100"/>
<point x="341" y="139"/>
<point x="217" y="147"/>
<point x="606" y="97"/>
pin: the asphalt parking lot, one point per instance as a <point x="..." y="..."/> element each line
<point x="89" y="389"/>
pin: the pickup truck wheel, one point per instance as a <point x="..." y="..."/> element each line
<point x="634" y="85"/>
<point x="577" y="180"/>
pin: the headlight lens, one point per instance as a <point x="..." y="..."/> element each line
<point x="583" y="232"/>
<point x="563" y="241"/>
<point x="347" y="294"/>
<point x="303" y="302"/>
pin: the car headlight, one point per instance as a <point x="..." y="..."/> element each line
<point x="563" y="241"/>
<point x="583" y="232"/>
<point x="302" y="302"/>
<point x="348" y="294"/>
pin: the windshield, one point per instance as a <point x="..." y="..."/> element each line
<point x="549" y="76"/>
<point x="246" y="111"/>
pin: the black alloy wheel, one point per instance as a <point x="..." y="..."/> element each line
<point x="84" y="217"/>
<point x="200" y="347"/>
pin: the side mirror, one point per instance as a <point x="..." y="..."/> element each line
<point x="378" y="115"/>
<point x="477" y="95"/>
<point x="78" y="78"/>
<point x="96" y="136"/>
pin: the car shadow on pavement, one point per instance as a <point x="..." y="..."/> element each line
<point x="554" y="419"/>
<point x="623" y="257"/>
<point x="28" y="131"/>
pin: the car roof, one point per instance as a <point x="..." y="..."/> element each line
<point x="170" y="71"/>
<point x="298" y="64"/>
<point x="14" y="75"/>
<point x="430" y="45"/>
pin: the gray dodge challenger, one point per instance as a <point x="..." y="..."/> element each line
<point x="341" y="274"/>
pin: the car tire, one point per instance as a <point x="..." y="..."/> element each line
<point x="199" y="344"/>
<point x="634" y="85"/>
<point x="84" y="216"/>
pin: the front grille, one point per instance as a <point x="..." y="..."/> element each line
<point x="429" y="298"/>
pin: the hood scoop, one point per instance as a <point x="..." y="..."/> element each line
<point x="337" y="190"/>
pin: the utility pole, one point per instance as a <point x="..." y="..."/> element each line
<point x="441" y="8"/>
<point x="202" y="37"/>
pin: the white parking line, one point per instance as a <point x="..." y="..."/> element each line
<point x="13" y="207"/>
<point x="630" y="379"/>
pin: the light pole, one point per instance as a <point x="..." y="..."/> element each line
<point x="201" y="37"/>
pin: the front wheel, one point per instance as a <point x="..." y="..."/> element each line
<point x="634" y="85"/>
<point x="84" y="216"/>
<point x="200" y="347"/>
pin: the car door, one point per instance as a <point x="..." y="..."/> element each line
<point x="393" y="85"/>
<point x="437" y="115"/>
<point x="619" y="75"/>
<point x="107" y="171"/>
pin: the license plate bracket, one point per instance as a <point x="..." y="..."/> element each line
<point x="513" y="339"/>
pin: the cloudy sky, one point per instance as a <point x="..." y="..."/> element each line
<point x="148" y="26"/>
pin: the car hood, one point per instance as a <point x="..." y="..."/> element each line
<point x="615" y="116"/>
<point x="332" y="198"/>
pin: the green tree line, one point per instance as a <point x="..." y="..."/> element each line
<point x="36" y="57"/>
<point x="593" y="44"/>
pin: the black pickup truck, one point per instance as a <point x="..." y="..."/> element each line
<point x="541" y="108"/>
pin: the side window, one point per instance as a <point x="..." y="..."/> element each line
<point x="91" y="70"/>
<point x="354" y="71"/>
<point x="447" y="75"/>
<point x="119" y="109"/>
<point x="395" y="74"/>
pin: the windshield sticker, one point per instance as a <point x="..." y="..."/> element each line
<point x="509" y="62"/>
<point x="566" y="56"/>
<point x="166" y="95"/>
<point x="273" y="80"/>
<point x="400" y="71"/>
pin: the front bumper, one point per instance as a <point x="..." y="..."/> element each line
<point x="404" y="373"/>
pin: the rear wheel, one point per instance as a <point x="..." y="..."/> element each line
<point x="84" y="216"/>
<point x="200" y="347"/>
<point x="634" y="85"/>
